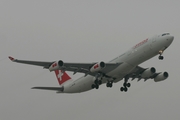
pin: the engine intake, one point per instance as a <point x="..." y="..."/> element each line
<point x="60" y="63"/>
<point x="148" y="72"/>
<point x="161" y="77"/>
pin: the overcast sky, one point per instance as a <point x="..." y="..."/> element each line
<point x="85" y="31"/>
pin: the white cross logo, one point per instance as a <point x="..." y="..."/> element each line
<point x="60" y="75"/>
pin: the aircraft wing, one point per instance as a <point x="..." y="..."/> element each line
<point x="73" y="67"/>
<point x="85" y="68"/>
<point x="137" y="72"/>
<point x="38" y="63"/>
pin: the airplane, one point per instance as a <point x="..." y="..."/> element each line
<point x="123" y="67"/>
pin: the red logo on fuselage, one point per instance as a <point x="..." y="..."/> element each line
<point x="141" y="43"/>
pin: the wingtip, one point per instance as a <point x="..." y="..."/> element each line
<point x="11" y="58"/>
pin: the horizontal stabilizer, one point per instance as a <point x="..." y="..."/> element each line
<point x="11" y="58"/>
<point x="50" y="88"/>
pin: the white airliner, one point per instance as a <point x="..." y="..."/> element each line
<point x="122" y="67"/>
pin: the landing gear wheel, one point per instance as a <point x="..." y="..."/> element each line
<point x="161" y="57"/>
<point x="128" y="84"/>
<point x="96" y="82"/>
<point x="97" y="87"/>
<point x="121" y="89"/>
<point x="109" y="84"/>
<point x="100" y="82"/>
<point x="125" y="89"/>
<point x="93" y="86"/>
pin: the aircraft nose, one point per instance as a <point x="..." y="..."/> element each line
<point x="170" y="38"/>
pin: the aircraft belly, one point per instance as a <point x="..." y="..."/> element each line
<point x="121" y="71"/>
<point x="81" y="85"/>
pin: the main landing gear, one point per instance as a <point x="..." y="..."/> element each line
<point x="97" y="81"/>
<point x="109" y="84"/>
<point x="126" y="85"/>
<point x="160" y="55"/>
<point x="96" y="84"/>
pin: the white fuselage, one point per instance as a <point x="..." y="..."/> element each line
<point x="136" y="55"/>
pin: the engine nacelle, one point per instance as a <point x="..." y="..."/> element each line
<point x="56" y="65"/>
<point x="148" y="72"/>
<point x="97" y="67"/>
<point x="161" y="77"/>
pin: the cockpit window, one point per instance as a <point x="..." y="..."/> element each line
<point x="165" y="34"/>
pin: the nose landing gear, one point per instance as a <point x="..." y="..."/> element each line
<point x="160" y="55"/>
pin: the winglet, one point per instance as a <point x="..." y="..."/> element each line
<point x="11" y="58"/>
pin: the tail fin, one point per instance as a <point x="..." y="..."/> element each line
<point x="62" y="76"/>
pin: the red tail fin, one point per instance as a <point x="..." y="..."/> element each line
<point x="62" y="77"/>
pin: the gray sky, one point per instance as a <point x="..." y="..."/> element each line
<point x="85" y="31"/>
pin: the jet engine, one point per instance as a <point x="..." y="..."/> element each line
<point x="56" y="65"/>
<point x="148" y="72"/>
<point x="161" y="77"/>
<point x="97" y="67"/>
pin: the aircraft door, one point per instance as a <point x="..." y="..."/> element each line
<point x="153" y="40"/>
<point x="152" y="43"/>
